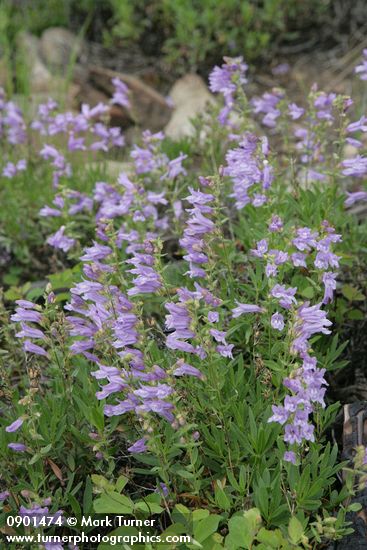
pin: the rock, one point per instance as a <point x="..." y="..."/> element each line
<point x="39" y="77"/>
<point x="60" y="48"/>
<point x="149" y="109"/>
<point x="350" y="151"/>
<point x="190" y="97"/>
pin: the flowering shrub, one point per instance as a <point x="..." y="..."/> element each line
<point x="182" y="355"/>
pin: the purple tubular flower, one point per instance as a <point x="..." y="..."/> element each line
<point x="26" y="304"/>
<point x="295" y="112"/>
<point x="96" y="252"/>
<point x="324" y="104"/>
<point x="183" y="369"/>
<point x="267" y="105"/>
<point x="354" y="142"/>
<point x="26" y="315"/>
<point x="358" y="126"/>
<point x="17" y="447"/>
<point x="361" y="69"/>
<point x="123" y="407"/>
<point x="139" y="446"/>
<point x="280" y="414"/>
<point x="310" y="320"/>
<point x="276" y="224"/>
<point x="245" y="308"/>
<point x="179" y="319"/>
<point x="357" y="196"/>
<point x="59" y="240"/>
<point x="292" y="434"/>
<point x="162" y="489"/>
<point x="284" y="295"/>
<point x="329" y="281"/>
<point x="213" y="317"/>
<point x="158" y="406"/>
<point x="261" y="248"/>
<point x="356" y="167"/>
<point x="4" y="495"/>
<point x="299" y="259"/>
<point x="225" y="350"/>
<point x="48" y="212"/>
<point x="160" y="391"/>
<point x="29" y="347"/>
<point x="325" y="259"/>
<point x="218" y="335"/>
<point x="14" y="426"/>
<point x="120" y="96"/>
<point x="271" y="270"/>
<point x="306" y="239"/>
<point x="175" y="168"/>
<point x="30" y="332"/>
<point x="76" y="143"/>
<point x="277" y="321"/>
<point x="290" y="456"/>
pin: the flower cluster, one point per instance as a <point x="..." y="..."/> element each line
<point x="267" y="105"/>
<point x="12" y="125"/>
<point x="311" y="250"/>
<point x="227" y="80"/>
<point x="10" y="169"/>
<point x="247" y="166"/>
<point x="25" y="313"/>
<point x="149" y="159"/>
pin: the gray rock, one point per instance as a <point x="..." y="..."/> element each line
<point x="39" y="77"/>
<point x="149" y="108"/>
<point x="59" y="48"/>
<point x="190" y="97"/>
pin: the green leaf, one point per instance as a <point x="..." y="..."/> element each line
<point x="113" y="503"/>
<point x="200" y="514"/>
<point x="148" y="507"/>
<point x="206" y="527"/>
<point x="74" y="505"/>
<point x="274" y="539"/>
<point x="295" y="530"/>
<point x="352" y="293"/>
<point x="102" y="483"/>
<point x="243" y="529"/>
<point x="221" y="498"/>
<point x="308" y="292"/>
<point x="88" y="496"/>
<point x="355" y="315"/>
<point x="354" y="507"/>
<point x="121" y="482"/>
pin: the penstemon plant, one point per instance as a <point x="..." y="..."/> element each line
<point x="186" y="360"/>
